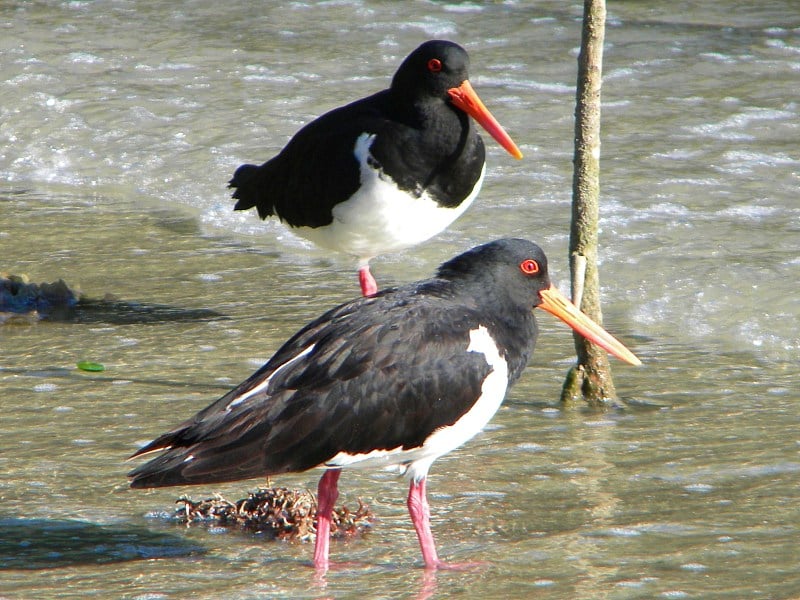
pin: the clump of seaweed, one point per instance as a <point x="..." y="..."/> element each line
<point x="277" y="513"/>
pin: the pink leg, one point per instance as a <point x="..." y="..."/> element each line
<point x="421" y="518"/>
<point x="327" y="493"/>
<point x="367" y="281"/>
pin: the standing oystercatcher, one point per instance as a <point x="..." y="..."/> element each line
<point x="393" y="381"/>
<point x="386" y="172"/>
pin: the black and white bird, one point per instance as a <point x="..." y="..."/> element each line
<point x="385" y="172"/>
<point x="390" y="381"/>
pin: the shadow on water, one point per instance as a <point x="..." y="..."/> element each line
<point x="47" y="544"/>
<point x="22" y="299"/>
<point x="116" y="312"/>
<point x="111" y="312"/>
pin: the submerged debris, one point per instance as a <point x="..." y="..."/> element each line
<point x="279" y="513"/>
<point x="19" y="296"/>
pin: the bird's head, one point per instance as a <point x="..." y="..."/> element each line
<point x="513" y="273"/>
<point x="440" y="69"/>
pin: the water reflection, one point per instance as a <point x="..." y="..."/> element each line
<point x="422" y="586"/>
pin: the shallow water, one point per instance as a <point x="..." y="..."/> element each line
<point x="121" y="123"/>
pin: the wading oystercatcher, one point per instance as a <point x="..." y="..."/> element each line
<point x="393" y="381"/>
<point x="386" y="172"/>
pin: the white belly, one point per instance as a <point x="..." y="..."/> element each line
<point x="381" y="218"/>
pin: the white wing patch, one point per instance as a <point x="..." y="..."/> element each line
<point x="263" y="385"/>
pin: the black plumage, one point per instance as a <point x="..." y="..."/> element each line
<point x="393" y="380"/>
<point x="422" y="142"/>
<point x="385" y="372"/>
<point x="385" y="172"/>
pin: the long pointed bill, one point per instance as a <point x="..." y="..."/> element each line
<point x="465" y="98"/>
<point x="559" y="305"/>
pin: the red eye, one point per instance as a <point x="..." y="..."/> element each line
<point x="529" y="266"/>
<point x="434" y="65"/>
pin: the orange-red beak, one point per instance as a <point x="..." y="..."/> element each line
<point x="465" y="98"/>
<point x="559" y="305"/>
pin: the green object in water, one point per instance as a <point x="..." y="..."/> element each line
<point x="87" y="365"/>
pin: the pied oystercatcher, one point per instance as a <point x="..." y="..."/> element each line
<point x="385" y="172"/>
<point x="394" y="381"/>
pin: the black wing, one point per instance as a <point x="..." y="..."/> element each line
<point x="315" y="171"/>
<point x="429" y="147"/>
<point x="376" y="373"/>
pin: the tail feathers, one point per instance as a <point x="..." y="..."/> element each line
<point x="178" y="466"/>
<point x="162" y="471"/>
<point x="250" y="190"/>
<point x="173" y="439"/>
<point x="190" y="458"/>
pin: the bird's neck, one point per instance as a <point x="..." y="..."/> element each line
<point x="510" y="324"/>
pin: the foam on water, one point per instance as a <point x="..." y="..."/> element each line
<point x="170" y="124"/>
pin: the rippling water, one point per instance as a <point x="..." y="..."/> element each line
<point x="120" y="124"/>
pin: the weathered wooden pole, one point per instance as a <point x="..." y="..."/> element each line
<point x="590" y="378"/>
